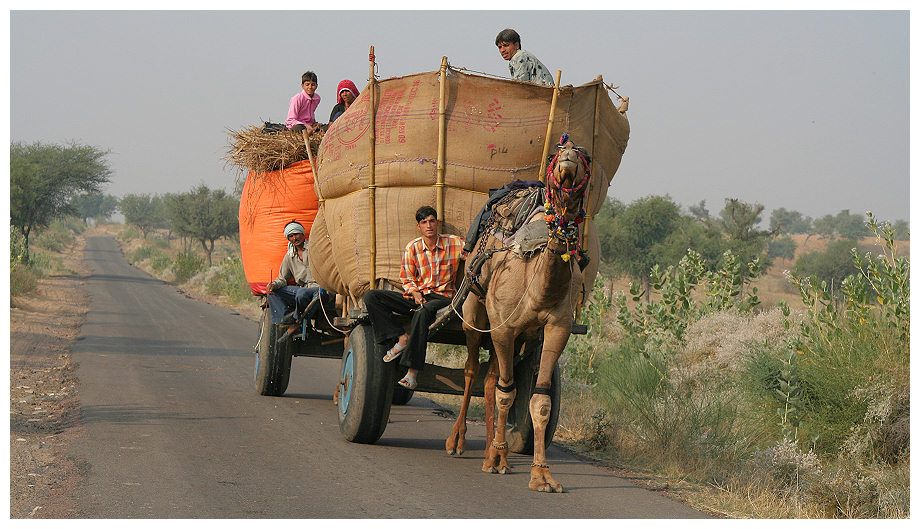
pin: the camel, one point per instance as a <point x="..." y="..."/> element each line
<point x="522" y="295"/>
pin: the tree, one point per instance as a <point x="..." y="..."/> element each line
<point x="825" y="227"/>
<point x="782" y="247"/>
<point x="604" y="224"/>
<point x="832" y="265"/>
<point x="699" y="211"/>
<point x="44" y="178"/>
<point x="901" y="230"/>
<point x="851" y="226"/>
<point x="628" y="242"/>
<point x="785" y="221"/>
<point x="94" y="205"/>
<point x="691" y="233"/>
<point x="145" y="211"/>
<point x="204" y="215"/>
<point x="738" y="220"/>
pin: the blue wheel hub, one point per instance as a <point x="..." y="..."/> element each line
<point x="346" y="380"/>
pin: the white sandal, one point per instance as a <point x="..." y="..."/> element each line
<point x="408" y="382"/>
<point x="393" y="353"/>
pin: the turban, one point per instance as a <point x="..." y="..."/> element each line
<point x="293" y="227"/>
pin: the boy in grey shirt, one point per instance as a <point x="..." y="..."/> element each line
<point x="524" y="65"/>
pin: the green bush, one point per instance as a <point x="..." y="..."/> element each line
<point x="584" y="352"/>
<point x="17" y="247"/>
<point x="40" y="262"/>
<point x="22" y="280"/>
<point x="844" y="348"/>
<point x="59" y="235"/>
<point x="229" y="280"/>
<point x="128" y="233"/>
<point x="160" y="262"/>
<point x="143" y="252"/>
<point x="187" y="265"/>
<point x="832" y="265"/>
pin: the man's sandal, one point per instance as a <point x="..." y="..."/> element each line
<point x="393" y="353"/>
<point x="408" y="382"/>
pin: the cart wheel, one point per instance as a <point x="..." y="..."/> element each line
<point x="401" y="395"/>
<point x="273" y="361"/>
<point x="365" y="388"/>
<point x="519" y="429"/>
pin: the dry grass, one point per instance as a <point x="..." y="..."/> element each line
<point x="252" y="149"/>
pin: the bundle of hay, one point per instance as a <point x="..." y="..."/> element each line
<point x="253" y="149"/>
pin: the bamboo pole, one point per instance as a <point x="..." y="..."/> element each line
<point x="592" y="184"/>
<point x="306" y="142"/>
<point x="371" y="182"/>
<point x="586" y="226"/>
<point x="442" y="143"/>
<point x="549" y="128"/>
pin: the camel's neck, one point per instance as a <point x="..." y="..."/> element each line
<point x="555" y="274"/>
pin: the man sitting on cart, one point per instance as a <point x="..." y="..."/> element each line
<point x="281" y="295"/>
<point x="429" y="268"/>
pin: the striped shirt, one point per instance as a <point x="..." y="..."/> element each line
<point x="433" y="270"/>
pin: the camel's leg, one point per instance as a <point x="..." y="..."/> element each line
<point x="554" y="340"/>
<point x="496" y="460"/>
<point x="475" y="312"/>
<point x="456" y="442"/>
<point x="489" y="396"/>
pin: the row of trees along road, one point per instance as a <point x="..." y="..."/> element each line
<point x="49" y="181"/>
<point x="202" y="214"/>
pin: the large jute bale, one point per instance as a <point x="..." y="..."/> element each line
<point x="495" y="131"/>
<point x="269" y="201"/>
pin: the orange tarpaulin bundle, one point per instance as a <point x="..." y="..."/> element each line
<point x="270" y="200"/>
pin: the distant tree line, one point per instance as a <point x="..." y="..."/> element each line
<point x="655" y="231"/>
<point x="49" y="181"/>
<point x="203" y="215"/>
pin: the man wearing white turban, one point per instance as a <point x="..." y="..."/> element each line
<point x="281" y="295"/>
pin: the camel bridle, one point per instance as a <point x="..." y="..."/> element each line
<point x="561" y="227"/>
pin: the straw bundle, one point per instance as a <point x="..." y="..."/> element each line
<point x="252" y="149"/>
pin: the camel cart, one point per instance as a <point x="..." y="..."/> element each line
<point x="442" y="138"/>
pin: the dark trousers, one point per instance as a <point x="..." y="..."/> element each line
<point x="281" y="299"/>
<point x="381" y="304"/>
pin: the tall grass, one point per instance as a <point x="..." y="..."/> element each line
<point x="54" y="238"/>
<point x="781" y="414"/>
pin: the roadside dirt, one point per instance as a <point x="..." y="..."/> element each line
<point x="44" y="403"/>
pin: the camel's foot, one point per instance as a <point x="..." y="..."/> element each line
<point x="496" y="461"/>
<point x="456" y="442"/>
<point x="542" y="481"/>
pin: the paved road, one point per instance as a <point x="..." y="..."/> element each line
<point x="174" y="429"/>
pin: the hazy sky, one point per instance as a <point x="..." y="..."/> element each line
<point x="807" y="110"/>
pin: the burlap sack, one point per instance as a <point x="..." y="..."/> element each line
<point x="495" y="134"/>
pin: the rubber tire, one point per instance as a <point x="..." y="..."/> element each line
<point x="364" y="404"/>
<point x="519" y="428"/>
<point x="273" y="361"/>
<point x="401" y="395"/>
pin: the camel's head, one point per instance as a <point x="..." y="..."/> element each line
<point x="569" y="175"/>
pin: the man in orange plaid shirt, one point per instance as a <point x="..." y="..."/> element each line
<point x="429" y="269"/>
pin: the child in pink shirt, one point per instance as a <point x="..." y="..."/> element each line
<point x="303" y="105"/>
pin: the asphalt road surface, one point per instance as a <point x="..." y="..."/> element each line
<point x="172" y="428"/>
